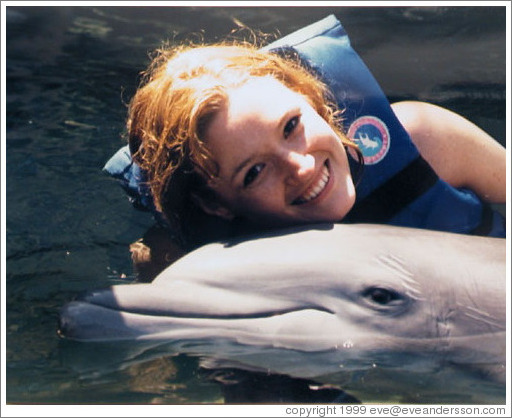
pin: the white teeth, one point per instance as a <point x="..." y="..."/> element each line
<point x="316" y="189"/>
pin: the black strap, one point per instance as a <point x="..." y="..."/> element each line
<point x="486" y="223"/>
<point x="403" y="188"/>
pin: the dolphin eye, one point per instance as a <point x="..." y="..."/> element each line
<point x="382" y="296"/>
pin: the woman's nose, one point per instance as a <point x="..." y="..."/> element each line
<point x="300" y="166"/>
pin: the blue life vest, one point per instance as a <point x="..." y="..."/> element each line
<point x="398" y="186"/>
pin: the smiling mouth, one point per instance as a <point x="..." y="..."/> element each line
<point x="315" y="189"/>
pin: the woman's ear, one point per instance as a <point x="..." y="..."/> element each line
<point x="212" y="206"/>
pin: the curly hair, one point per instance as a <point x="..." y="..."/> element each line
<point x="181" y="92"/>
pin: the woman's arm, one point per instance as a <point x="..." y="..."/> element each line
<point x="460" y="152"/>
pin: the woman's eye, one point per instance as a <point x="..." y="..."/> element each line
<point x="291" y="125"/>
<point x="253" y="173"/>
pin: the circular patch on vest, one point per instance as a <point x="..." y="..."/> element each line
<point x="371" y="136"/>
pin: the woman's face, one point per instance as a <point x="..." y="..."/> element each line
<point x="279" y="162"/>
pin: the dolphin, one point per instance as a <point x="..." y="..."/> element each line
<point x="311" y="301"/>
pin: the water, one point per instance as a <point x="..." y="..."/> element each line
<point x="70" y="72"/>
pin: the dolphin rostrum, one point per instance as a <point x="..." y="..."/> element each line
<point x="310" y="301"/>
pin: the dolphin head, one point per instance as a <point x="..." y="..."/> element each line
<point x="359" y="291"/>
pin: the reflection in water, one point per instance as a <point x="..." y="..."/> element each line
<point x="148" y="372"/>
<point x="69" y="73"/>
<point x="240" y="386"/>
<point x="145" y="372"/>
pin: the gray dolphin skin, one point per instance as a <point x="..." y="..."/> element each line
<point x="313" y="301"/>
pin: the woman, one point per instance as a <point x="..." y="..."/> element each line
<point x="234" y="139"/>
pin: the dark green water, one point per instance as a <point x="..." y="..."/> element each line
<point x="69" y="73"/>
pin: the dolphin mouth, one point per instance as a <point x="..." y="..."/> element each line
<point x="174" y="313"/>
<point x="100" y="316"/>
<point x="152" y="301"/>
